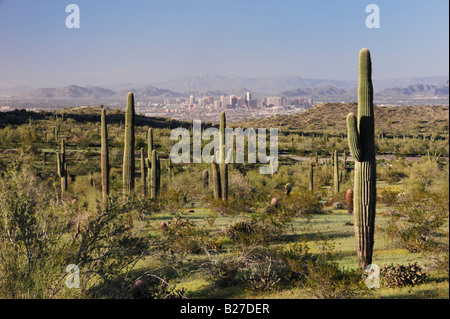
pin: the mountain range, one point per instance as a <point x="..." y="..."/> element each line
<point x="212" y="85"/>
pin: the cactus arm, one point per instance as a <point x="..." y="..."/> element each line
<point x="353" y="137"/>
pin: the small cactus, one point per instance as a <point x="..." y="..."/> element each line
<point x="288" y="188"/>
<point x="349" y="200"/>
<point x="205" y="176"/>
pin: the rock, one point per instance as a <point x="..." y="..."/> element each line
<point x="274" y="202"/>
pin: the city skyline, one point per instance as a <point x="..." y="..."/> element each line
<point x="147" y="42"/>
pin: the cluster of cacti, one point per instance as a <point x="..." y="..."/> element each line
<point x="62" y="168"/>
<point x="153" y="167"/>
<point x="128" y="154"/>
<point x="220" y="171"/>
<point x="362" y="147"/>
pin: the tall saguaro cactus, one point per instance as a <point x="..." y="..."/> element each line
<point x="336" y="172"/>
<point x="128" y="155"/>
<point x="362" y="147"/>
<point x="155" y="175"/>
<point x="62" y="168"/>
<point x="104" y="156"/>
<point x="223" y="166"/>
<point x="143" y="174"/>
<point x="311" y="177"/>
<point x="150" y="143"/>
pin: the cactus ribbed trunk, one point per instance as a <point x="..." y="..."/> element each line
<point x="336" y="173"/>
<point x="205" y="176"/>
<point x="223" y="166"/>
<point x="154" y="175"/>
<point x="104" y="156"/>
<point x="143" y="174"/>
<point x="344" y="162"/>
<point x="62" y="168"/>
<point x="150" y="143"/>
<point x="362" y="146"/>
<point x="128" y="156"/>
<point x="216" y="178"/>
<point x="311" y="177"/>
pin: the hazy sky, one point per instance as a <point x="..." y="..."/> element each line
<point x="147" y="41"/>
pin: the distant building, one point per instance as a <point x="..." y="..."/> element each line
<point x="191" y="99"/>
<point x="252" y="104"/>
<point x="276" y="101"/>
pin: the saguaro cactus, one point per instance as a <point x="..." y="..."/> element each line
<point x="222" y="164"/>
<point x="311" y="177"/>
<point x="62" y="168"/>
<point x="104" y="156"/>
<point x="128" y="155"/>
<point x="205" y="176"/>
<point x="216" y="178"/>
<point x="155" y="175"/>
<point x="150" y="143"/>
<point x="362" y="147"/>
<point x="143" y="174"/>
<point x="336" y="172"/>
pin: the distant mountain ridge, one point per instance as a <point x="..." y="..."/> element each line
<point x="146" y="92"/>
<point x="67" y="92"/>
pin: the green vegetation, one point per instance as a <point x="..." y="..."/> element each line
<point x="214" y="231"/>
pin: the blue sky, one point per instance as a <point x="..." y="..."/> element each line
<point x="148" y="41"/>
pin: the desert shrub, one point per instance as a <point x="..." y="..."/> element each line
<point x="387" y="197"/>
<point x="264" y="269"/>
<point x="298" y="258"/>
<point x="416" y="223"/>
<point x="150" y="286"/>
<point x="252" y="231"/>
<point x="326" y="280"/>
<point x="301" y="204"/>
<point x="438" y="258"/>
<point x="40" y="238"/>
<point x="31" y="224"/>
<point x="402" y="275"/>
<point x="222" y="269"/>
<point x="184" y="236"/>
